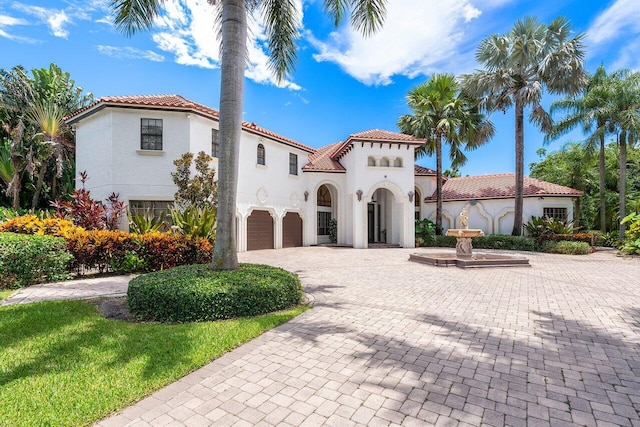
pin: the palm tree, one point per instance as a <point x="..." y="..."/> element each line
<point x="587" y="111"/>
<point x="442" y="112"/>
<point x="518" y="66"/>
<point x="624" y="112"/>
<point x="280" y="18"/>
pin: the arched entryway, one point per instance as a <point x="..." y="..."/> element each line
<point x="384" y="218"/>
<point x="326" y="201"/>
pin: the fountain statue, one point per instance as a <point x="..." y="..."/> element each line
<point x="464" y="248"/>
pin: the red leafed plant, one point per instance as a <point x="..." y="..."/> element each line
<point x="86" y="212"/>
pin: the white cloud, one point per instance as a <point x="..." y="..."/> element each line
<point x="417" y="38"/>
<point x="617" y="20"/>
<point x="128" y="52"/>
<point x="7" y="21"/>
<point x="187" y="29"/>
<point x="55" y="19"/>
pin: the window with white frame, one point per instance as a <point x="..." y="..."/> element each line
<point x="151" y="134"/>
<point x="261" y="160"/>
<point x="559" y="214"/>
<point x="215" y="145"/>
<point x="293" y="164"/>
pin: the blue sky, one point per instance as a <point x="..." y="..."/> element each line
<point x="342" y="83"/>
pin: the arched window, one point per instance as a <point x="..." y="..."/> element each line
<point x="397" y="162"/>
<point x="417" y="202"/>
<point x="371" y="161"/>
<point x="324" y="196"/>
<point x="384" y="162"/>
<point x="261" y="156"/>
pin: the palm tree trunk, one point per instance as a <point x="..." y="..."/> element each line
<point x="439" y="185"/>
<point x="623" y="180"/>
<point x="234" y="42"/>
<point x="36" y="194"/>
<point x="601" y="172"/>
<point x="519" y="208"/>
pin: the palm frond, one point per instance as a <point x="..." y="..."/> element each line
<point x="281" y="18"/>
<point x="367" y="16"/>
<point x="132" y="16"/>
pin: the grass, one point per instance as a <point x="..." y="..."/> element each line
<point x="6" y="293"/>
<point x="63" y="364"/>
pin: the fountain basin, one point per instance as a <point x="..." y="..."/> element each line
<point x="474" y="261"/>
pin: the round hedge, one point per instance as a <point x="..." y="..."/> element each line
<point x="199" y="293"/>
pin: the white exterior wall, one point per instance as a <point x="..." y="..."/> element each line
<point x="269" y="187"/>
<point x="312" y="181"/>
<point x="495" y="216"/>
<point x="398" y="180"/>
<point x="94" y="154"/>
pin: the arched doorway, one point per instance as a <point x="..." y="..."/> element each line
<point x="384" y="218"/>
<point x="326" y="211"/>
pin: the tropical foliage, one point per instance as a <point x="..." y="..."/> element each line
<point x="442" y="112"/>
<point x="518" y="67"/>
<point x="37" y="149"/>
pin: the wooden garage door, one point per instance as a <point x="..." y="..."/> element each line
<point x="291" y="230"/>
<point x="259" y="231"/>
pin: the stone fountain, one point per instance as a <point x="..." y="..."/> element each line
<point x="464" y="257"/>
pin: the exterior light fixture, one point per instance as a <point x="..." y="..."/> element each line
<point x="411" y="194"/>
<point x="359" y="194"/>
<point x="306" y="196"/>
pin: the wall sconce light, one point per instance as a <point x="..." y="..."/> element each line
<point x="359" y="194"/>
<point x="306" y="196"/>
<point x="411" y="194"/>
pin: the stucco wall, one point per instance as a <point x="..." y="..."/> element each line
<point x="495" y="216"/>
<point x="94" y="154"/>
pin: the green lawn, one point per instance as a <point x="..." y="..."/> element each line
<point x="5" y="293"/>
<point x="62" y="364"/>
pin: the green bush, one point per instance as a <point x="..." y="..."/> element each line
<point x="631" y="244"/>
<point x="425" y="230"/>
<point x="199" y="293"/>
<point x="506" y="242"/>
<point x="29" y="259"/>
<point x="566" y="247"/>
<point x="444" y="241"/>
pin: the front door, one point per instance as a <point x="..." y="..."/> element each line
<point x="371" y="222"/>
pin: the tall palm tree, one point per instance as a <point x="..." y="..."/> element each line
<point x="280" y="18"/>
<point x="586" y="111"/>
<point x="518" y="66"/>
<point x="624" y="111"/>
<point x="442" y="112"/>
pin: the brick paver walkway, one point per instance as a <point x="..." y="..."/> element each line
<point x="391" y="342"/>
<point x="73" y="289"/>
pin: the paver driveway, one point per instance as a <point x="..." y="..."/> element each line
<point x="393" y="342"/>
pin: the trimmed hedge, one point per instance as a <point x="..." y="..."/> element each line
<point x="29" y="259"/>
<point x="492" y="241"/>
<point x="199" y="293"/>
<point x="566" y="247"/>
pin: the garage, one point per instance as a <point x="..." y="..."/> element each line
<point x="291" y="230"/>
<point x="259" y="231"/>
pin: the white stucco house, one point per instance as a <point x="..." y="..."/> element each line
<point x="287" y="191"/>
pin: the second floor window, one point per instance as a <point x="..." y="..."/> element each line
<point x="261" y="156"/>
<point x="215" y="145"/>
<point x="293" y="164"/>
<point x="151" y="134"/>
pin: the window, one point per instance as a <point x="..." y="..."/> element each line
<point x="152" y="208"/>
<point x="323" y="223"/>
<point x="324" y="196"/>
<point x="559" y="214"/>
<point x="397" y="163"/>
<point x="371" y="161"/>
<point x="261" y="156"/>
<point x="417" y="200"/>
<point x="384" y="162"/>
<point x="215" y="145"/>
<point x="293" y="164"/>
<point x="151" y="134"/>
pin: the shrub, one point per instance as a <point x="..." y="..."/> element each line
<point x="333" y="230"/>
<point x="588" y="237"/>
<point x="631" y="244"/>
<point x="145" y="222"/>
<point x="163" y="250"/>
<point x="31" y="224"/>
<point x="566" y="247"/>
<point x="506" y="242"/>
<point x="26" y="260"/>
<point x="425" y="231"/>
<point x="195" y="221"/>
<point x="199" y="293"/>
<point x="540" y="227"/>
<point x="444" y="241"/>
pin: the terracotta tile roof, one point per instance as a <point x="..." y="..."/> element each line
<point x="499" y="186"/>
<point x="176" y="102"/>
<point x="422" y="171"/>
<point x="374" y="135"/>
<point x="321" y="161"/>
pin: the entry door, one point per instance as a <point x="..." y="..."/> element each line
<point x="371" y="222"/>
